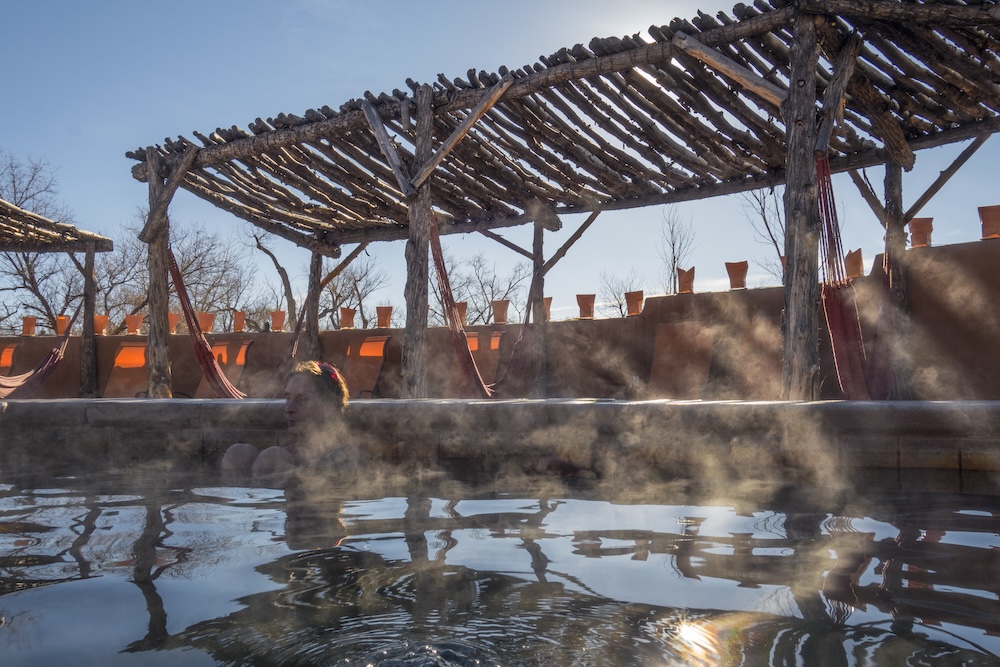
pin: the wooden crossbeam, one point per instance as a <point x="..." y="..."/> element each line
<point x="156" y="219"/>
<point x="388" y="150"/>
<point x="504" y="242"/>
<point x="564" y="248"/>
<point x="944" y="177"/>
<point x="833" y="96"/>
<point x="730" y="68"/>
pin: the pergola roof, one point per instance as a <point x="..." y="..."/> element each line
<point x="23" y="231"/>
<point x="693" y="110"/>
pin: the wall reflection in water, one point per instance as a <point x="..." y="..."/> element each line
<point x="209" y="575"/>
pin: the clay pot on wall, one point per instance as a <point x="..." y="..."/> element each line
<point x="633" y="303"/>
<point x="854" y="264"/>
<point x="990" y="217"/>
<point x="100" y="325"/>
<point x="277" y="320"/>
<point x="132" y="324"/>
<point x="461" y="310"/>
<point x="206" y="321"/>
<point x="685" y="281"/>
<point x="384" y="316"/>
<point x="547" y="304"/>
<point x="500" y="310"/>
<point x="28" y="325"/>
<point x="62" y="321"/>
<point x="737" y="274"/>
<point x="239" y="321"/>
<point x="347" y="317"/>
<point x="586" y="303"/>
<point x="173" y="319"/>
<point x="920" y="232"/>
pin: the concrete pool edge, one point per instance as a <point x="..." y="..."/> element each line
<point x="599" y="435"/>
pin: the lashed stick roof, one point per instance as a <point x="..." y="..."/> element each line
<point x="622" y="123"/>
<point x="23" y="231"/>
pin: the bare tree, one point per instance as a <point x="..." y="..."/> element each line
<point x="765" y="211"/>
<point x="477" y="282"/>
<point x="613" y="288"/>
<point x="676" y="243"/>
<point x="355" y="288"/>
<point x="286" y="283"/>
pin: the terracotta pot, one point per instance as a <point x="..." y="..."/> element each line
<point x="100" y="325"/>
<point x="854" y="263"/>
<point x="462" y="310"/>
<point x="277" y="320"/>
<point x="586" y="303"/>
<point x="920" y="232"/>
<point x="28" y="325"/>
<point x="633" y="302"/>
<point x="173" y="319"/>
<point x="500" y="310"/>
<point x="347" y="317"/>
<point x="384" y="316"/>
<point x="132" y="324"/>
<point x="206" y="321"/>
<point x="239" y="321"/>
<point x="62" y="321"/>
<point x="737" y="274"/>
<point x="547" y="303"/>
<point x="685" y="281"/>
<point x="990" y="217"/>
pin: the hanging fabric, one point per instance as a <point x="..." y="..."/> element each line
<point x="27" y="384"/>
<point x="458" y="338"/>
<point x="202" y="350"/>
<point x="861" y="376"/>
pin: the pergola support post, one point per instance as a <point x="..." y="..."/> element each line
<point x="896" y="313"/>
<point x="88" y="346"/>
<point x="158" y="354"/>
<point x="536" y="301"/>
<point x="800" y="380"/>
<point x="417" y="269"/>
<point x="309" y="347"/>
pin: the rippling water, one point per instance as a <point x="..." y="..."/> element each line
<point x="186" y="572"/>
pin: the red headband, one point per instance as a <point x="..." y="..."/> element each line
<point x="329" y="369"/>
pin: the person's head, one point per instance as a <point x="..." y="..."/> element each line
<point x="314" y="390"/>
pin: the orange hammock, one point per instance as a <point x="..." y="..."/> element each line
<point x="862" y="376"/>
<point x="27" y="384"/>
<point x="458" y="337"/>
<point x="202" y="350"/>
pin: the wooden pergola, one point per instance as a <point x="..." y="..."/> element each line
<point x="698" y="108"/>
<point x="24" y="231"/>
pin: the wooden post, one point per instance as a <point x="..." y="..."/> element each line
<point x="800" y="380"/>
<point x="896" y="313"/>
<point x="88" y="347"/>
<point x="417" y="246"/>
<point x="536" y="301"/>
<point x="159" y="291"/>
<point x="309" y="347"/>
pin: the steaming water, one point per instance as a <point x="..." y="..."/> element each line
<point x="186" y="572"/>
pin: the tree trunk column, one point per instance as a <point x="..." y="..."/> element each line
<point x="896" y="312"/>
<point x="310" y="347"/>
<point x="159" y="291"/>
<point x="800" y="380"/>
<point x="536" y="302"/>
<point x="88" y="347"/>
<point x="417" y="269"/>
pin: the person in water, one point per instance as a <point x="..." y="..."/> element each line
<point x="315" y="400"/>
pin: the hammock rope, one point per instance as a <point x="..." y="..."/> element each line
<point x="26" y="385"/>
<point x="202" y="349"/>
<point x="458" y="338"/>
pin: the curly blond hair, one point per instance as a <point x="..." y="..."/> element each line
<point x="327" y="379"/>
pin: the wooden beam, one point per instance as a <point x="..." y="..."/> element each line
<point x="388" y="150"/>
<point x="944" y="177"/>
<point x="564" y="248"/>
<point x="730" y="68"/>
<point x="889" y="10"/>
<point x="868" y="195"/>
<point x="834" y="95"/>
<point x="897" y="320"/>
<point x="158" y="300"/>
<point x="504" y="242"/>
<point x="337" y="270"/>
<point x="88" y="346"/>
<point x="105" y="245"/>
<point x="156" y="220"/>
<point x="428" y="167"/>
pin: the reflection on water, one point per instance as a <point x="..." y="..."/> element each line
<point x="130" y="571"/>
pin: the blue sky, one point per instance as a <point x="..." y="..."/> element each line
<point x="87" y="81"/>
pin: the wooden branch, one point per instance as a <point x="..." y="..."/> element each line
<point x="564" y="248"/>
<point x="485" y="105"/>
<point x="388" y="150"/>
<point x="504" y="242"/>
<point x="833" y="96"/>
<point x="868" y="195"/>
<point x="888" y="10"/>
<point x="944" y="176"/>
<point x="728" y="67"/>
<point x="156" y="219"/>
<point x="343" y="265"/>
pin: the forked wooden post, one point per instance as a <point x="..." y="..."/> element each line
<point x="895" y="248"/>
<point x="800" y="380"/>
<point x="88" y="346"/>
<point x="309" y="347"/>
<point x="159" y="292"/>
<point x="417" y="246"/>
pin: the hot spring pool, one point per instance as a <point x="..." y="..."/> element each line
<point x="183" y="571"/>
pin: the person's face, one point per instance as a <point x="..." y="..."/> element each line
<point x="303" y="404"/>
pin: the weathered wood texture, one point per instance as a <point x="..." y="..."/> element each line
<point x="88" y="347"/>
<point x="618" y="123"/>
<point x="157" y="322"/>
<point x="24" y="231"/>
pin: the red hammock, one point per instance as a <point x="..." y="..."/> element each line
<point x="202" y="350"/>
<point x="861" y="376"/>
<point x="458" y="337"/>
<point x="27" y="384"/>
